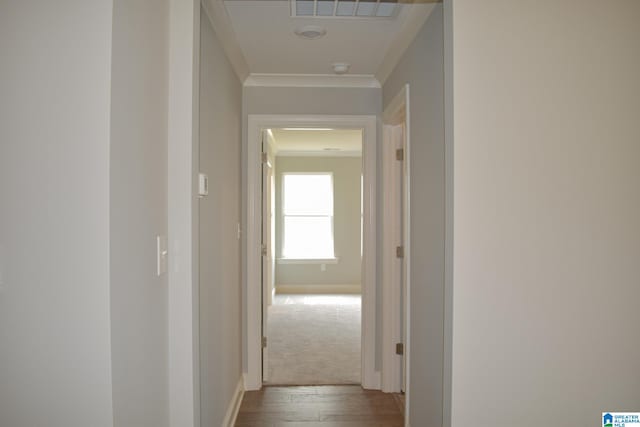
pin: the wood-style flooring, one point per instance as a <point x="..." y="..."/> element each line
<point x="319" y="406"/>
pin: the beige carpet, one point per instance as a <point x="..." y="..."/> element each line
<point x="314" y="339"/>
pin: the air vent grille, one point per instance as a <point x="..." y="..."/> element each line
<point x="344" y="8"/>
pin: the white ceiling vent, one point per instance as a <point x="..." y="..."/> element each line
<point x="344" y="8"/>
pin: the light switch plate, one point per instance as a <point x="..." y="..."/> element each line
<point x="162" y="255"/>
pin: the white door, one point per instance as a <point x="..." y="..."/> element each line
<point x="401" y="143"/>
<point x="396" y="374"/>
<point x="399" y="181"/>
<point x="394" y="283"/>
<point x="268" y="260"/>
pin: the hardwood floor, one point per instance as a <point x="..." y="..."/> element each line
<point x="319" y="406"/>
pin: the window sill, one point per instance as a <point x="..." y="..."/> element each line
<point x="308" y="260"/>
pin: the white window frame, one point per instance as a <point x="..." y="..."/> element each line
<point x="298" y="260"/>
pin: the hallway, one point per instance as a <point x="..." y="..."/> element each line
<point x="319" y="406"/>
<point x="131" y="232"/>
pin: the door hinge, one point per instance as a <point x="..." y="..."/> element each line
<point x="400" y="154"/>
<point x="264" y="342"/>
<point x="264" y="158"/>
<point x="264" y="250"/>
<point x="399" y="348"/>
<point x="399" y="251"/>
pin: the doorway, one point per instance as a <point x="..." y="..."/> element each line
<point x="257" y="343"/>
<point x="312" y="255"/>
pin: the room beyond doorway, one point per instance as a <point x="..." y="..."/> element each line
<point x="314" y="339"/>
<point x="312" y="248"/>
<point x="257" y="124"/>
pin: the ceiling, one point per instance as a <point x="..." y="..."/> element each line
<point x="263" y="33"/>
<point x="330" y="143"/>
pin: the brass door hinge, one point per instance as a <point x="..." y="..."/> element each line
<point x="399" y="348"/>
<point x="264" y="342"/>
<point x="400" y="154"/>
<point x="399" y="251"/>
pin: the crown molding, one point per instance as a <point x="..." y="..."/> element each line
<point x="312" y="80"/>
<point x="221" y="23"/>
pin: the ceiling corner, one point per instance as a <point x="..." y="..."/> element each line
<point x="415" y="21"/>
<point x="217" y="14"/>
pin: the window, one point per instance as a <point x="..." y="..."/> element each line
<point x="307" y="209"/>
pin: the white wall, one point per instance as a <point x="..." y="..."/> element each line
<point x="311" y="100"/>
<point x="220" y="285"/>
<point x="307" y="100"/>
<point x="422" y="67"/>
<point x="139" y="313"/>
<point x="547" y="211"/>
<point x="55" y="358"/>
<point x="347" y="172"/>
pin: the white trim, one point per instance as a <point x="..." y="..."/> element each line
<point x="234" y="405"/>
<point x="254" y="305"/>
<point x="407" y="252"/>
<point x="217" y="14"/>
<point x="399" y="45"/>
<point x="319" y="289"/>
<point x="312" y="80"/>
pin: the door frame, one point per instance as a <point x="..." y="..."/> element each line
<point x="370" y="378"/>
<point x="396" y="113"/>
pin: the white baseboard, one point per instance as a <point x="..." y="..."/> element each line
<point x="319" y="289"/>
<point x="372" y="382"/>
<point x="252" y="383"/>
<point x="234" y="405"/>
